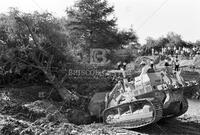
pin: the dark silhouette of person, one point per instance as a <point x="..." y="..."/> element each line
<point x="151" y="64"/>
<point x="176" y="65"/>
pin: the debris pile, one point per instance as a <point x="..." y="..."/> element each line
<point x="41" y="117"/>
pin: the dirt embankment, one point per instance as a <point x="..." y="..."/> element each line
<point x="43" y="118"/>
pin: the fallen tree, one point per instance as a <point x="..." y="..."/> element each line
<point x="35" y="48"/>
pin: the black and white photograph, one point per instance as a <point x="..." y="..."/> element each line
<point x="99" y="67"/>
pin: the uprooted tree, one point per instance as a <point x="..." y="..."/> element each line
<point x="35" y="43"/>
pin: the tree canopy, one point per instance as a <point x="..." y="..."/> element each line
<point x="92" y="21"/>
<point x="35" y="43"/>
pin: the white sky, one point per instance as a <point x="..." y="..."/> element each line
<point x="145" y="16"/>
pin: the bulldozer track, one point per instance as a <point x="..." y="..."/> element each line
<point x="130" y="124"/>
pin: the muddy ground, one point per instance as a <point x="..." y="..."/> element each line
<point x="21" y="115"/>
<point x="44" y="118"/>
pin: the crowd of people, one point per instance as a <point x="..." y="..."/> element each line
<point x="184" y="51"/>
<point x="173" y="54"/>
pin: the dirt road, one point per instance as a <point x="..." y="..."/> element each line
<point x="187" y="124"/>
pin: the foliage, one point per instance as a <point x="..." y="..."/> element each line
<point x="91" y="25"/>
<point x="89" y="17"/>
<point x="197" y="43"/>
<point x="34" y="44"/>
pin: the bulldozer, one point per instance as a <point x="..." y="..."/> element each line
<point x="148" y="98"/>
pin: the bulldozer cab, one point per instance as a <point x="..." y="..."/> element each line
<point x="148" y="82"/>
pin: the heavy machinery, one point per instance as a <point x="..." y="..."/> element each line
<point x="151" y="96"/>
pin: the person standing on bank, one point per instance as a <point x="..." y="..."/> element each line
<point x="176" y="65"/>
<point x="167" y="66"/>
<point x="151" y="64"/>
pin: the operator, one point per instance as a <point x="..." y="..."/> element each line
<point x="167" y="69"/>
<point x="167" y="74"/>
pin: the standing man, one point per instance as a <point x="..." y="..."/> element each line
<point x="177" y="65"/>
<point x="151" y="64"/>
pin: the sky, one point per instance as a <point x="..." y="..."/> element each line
<point x="149" y="18"/>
